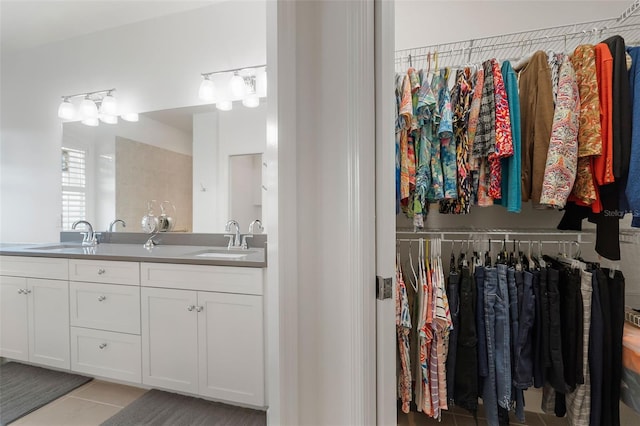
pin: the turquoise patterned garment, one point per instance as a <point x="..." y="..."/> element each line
<point x="425" y="107"/>
<point x="447" y="142"/>
<point x="436" y="192"/>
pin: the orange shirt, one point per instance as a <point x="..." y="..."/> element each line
<point x="603" y="164"/>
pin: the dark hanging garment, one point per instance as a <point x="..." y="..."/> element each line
<point x="621" y="108"/>
<point x="616" y="284"/>
<point x="596" y="351"/>
<point x="466" y="375"/>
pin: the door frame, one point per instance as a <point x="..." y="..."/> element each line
<point x="384" y="28"/>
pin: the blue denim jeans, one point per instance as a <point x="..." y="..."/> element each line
<point x="481" y="330"/>
<point x="515" y="296"/>
<point x="497" y="385"/>
<point x="453" y="295"/>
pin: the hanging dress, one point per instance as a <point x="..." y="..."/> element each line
<point x="403" y="328"/>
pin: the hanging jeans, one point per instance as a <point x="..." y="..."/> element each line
<point x="497" y="386"/>
<point x="579" y="401"/>
<point x="596" y="351"/>
<point x="538" y="359"/>
<point x="515" y="296"/>
<point x="466" y="376"/>
<point x="523" y="371"/>
<point x="571" y="320"/>
<point x="454" y="306"/>
<point x="481" y="330"/>
<point x="616" y="284"/>
<point x="555" y="369"/>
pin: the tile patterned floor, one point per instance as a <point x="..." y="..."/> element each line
<point x="88" y="405"/>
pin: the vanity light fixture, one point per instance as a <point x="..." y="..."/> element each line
<point x="242" y="85"/>
<point x="94" y="107"/>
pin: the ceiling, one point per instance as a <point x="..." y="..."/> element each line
<point x="26" y="24"/>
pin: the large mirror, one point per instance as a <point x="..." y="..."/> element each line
<point x="198" y="165"/>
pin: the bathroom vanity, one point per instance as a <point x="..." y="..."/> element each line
<point x="184" y="318"/>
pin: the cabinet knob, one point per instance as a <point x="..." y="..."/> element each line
<point x="101" y="271"/>
<point x="199" y="308"/>
<point x="190" y="308"/>
<point x="102" y="345"/>
<point x="27" y="291"/>
<point x="20" y="291"/>
<point x="102" y="298"/>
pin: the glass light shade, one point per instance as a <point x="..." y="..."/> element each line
<point x="207" y="90"/>
<point x="93" y="122"/>
<point x="130" y="116"/>
<point x="66" y="110"/>
<point x="109" y="119"/>
<point x="224" y="105"/>
<point x="88" y="109"/>
<point x="109" y="106"/>
<point x="251" y="101"/>
<point x="237" y="85"/>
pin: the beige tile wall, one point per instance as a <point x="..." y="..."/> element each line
<point x="145" y="172"/>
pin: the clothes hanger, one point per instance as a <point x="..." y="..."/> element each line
<point x="414" y="284"/>
<point x="452" y="262"/>
<point x="487" y="256"/>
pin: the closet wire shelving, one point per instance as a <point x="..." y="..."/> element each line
<point x="513" y="46"/>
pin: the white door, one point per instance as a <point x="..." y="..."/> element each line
<point x="385" y="210"/>
<point x="170" y="339"/>
<point x="14" y="332"/>
<point x="49" y="322"/>
<point x="231" y="347"/>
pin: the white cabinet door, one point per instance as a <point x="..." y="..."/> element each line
<point x="49" y="322"/>
<point x="170" y="339"/>
<point x="231" y="347"/>
<point x="14" y="332"/>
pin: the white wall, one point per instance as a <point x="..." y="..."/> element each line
<point x="153" y="64"/>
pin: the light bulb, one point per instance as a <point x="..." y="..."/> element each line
<point x="88" y="109"/>
<point x="207" y="90"/>
<point x="224" y="105"/>
<point x="109" y="105"/>
<point x="251" y="101"/>
<point x="93" y="122"/>
<point x="237" y="85"/>
<point x="109" y="119"/>
<point x="66" y="110"/>
<point x="130" y="116"/>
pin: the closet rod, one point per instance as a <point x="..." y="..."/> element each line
<point x="523" y="43"/>
<point x="610" y="24"/>
<point x="505" y="233"/>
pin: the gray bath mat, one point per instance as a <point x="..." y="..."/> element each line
<point x="24" y="388"/>
<point x="159" y="408"/>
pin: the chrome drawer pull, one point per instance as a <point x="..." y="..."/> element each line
<point x="102" y="345"/>
<point x="101" y="271"/>
<point x="199" y="308"/>
<point x="21" y="291"/>
<point x="102" y="298"/>
<point x="27" y="291"/>
<point x="190" y="308"/>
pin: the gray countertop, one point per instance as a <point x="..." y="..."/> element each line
<point x="187" y="254"/>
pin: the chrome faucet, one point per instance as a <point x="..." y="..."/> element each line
<point x="89" y="238"/>
<point x="112" y="225"/>
<point x="234" y="239"/>
<point x="257" y="222"/>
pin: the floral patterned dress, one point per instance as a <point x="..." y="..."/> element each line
<point x="504" y="138"/>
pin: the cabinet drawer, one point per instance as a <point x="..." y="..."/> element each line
<point x="105" y="306"/>
<point x="104" y="271"/>
<point x="34" y="267"/>
<point x="224" y="279"/>
<point x="106" y="354"/>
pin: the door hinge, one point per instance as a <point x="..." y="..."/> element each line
<point x="384" y="288"/>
